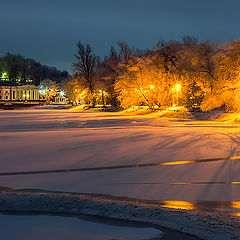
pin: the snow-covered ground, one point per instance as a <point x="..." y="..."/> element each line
<point x="143" y="157"/>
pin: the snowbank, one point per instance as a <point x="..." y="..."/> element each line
<point x="208" y="226"/>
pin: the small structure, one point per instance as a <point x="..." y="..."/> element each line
<point x="59" y="99"/>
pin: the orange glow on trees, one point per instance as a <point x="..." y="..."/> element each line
<point x="143" y="83"/>
<point x="181" y="73"/>
<point x="225" y="89"/>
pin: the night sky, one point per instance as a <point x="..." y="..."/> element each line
<point x="48" y="30"/>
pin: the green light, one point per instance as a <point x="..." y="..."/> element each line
<point x="4" y="75"/>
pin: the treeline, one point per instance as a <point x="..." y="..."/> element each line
<point x="188" y="73"/>
<point x="18" y="69"/>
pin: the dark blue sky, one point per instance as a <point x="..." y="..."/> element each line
<point x="48" y="31"/>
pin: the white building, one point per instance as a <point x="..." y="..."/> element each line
<point x="60" y="99"/>
<point x="19" y="93"/>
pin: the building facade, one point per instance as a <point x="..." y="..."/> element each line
<point x="19" y="93"/>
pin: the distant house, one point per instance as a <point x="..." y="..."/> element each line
<point x="19" y="93"/>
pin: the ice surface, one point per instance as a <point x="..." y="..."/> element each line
<point x="42" y="140"/>
<point x="46" y="140"/>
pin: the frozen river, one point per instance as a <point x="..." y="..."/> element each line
<point x="106" y="153"/>
<point x="178" y="163"/>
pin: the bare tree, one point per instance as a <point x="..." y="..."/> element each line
<point x="188" y="40"/>
<point x="86" y="67"/>
<point x="125" y="52"/>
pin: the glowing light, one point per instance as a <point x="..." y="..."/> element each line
<point x="4" y="75"/>
<point x="62" y="93"/>
<point x="178" y="86"/>
<point x="151" y="86"/>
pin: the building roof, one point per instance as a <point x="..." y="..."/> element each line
<point x="10" y="84"/>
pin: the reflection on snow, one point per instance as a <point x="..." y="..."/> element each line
<point x="177" y="163"/>
<point x="226" y="207"/>
<point x="178" y="205"/>
<point x="236" y="205"/>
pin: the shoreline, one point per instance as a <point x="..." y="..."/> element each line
<point x="205" y="225"/>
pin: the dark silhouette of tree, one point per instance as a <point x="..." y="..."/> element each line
<point x="188" y="40"/>
<point x="86" y="67"/>
<point x="125" y="52"/>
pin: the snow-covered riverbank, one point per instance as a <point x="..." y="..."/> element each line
<point x="205" y="225"/>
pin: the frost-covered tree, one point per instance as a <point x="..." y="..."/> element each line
<point x="226" y="87"/>
<point x="143" y="83"/>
